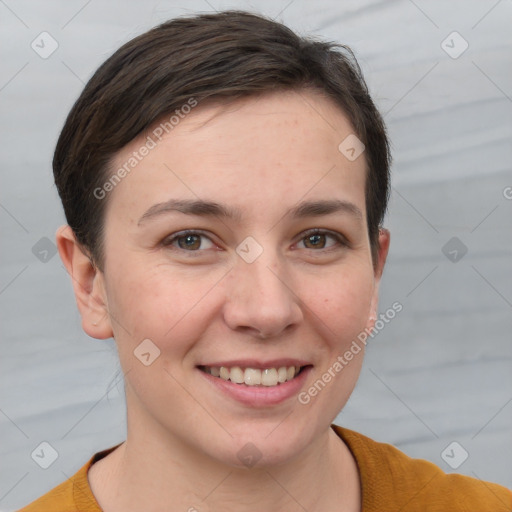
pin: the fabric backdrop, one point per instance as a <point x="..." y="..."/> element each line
<point x="439" y="373"/>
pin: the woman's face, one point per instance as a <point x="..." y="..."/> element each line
<point x="211" y="254"/>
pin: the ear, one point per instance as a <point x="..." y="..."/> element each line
<point x="88" y="285"/>
<point x="384" y="240"/>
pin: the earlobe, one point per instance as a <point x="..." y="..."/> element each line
<point x="88" y="285"/>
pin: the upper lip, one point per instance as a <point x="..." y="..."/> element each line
<point x="258" y="364"/>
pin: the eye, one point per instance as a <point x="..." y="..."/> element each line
<point x="191" y="241"/>
<point x="196" y="241"/>
<point x="319" y="239"/>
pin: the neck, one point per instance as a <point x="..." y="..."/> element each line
<point x="152" y="472"/>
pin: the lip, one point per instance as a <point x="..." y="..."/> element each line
<point x="259" y="396"/>
<point x="257" y="364"/>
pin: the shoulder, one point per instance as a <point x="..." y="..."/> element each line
<point x="62" y="497"/>
<point x="73" y="495"/>
<point x="392" y="479"/>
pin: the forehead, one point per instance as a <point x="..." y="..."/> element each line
<point x="268" y="150"/>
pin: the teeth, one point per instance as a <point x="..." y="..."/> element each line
<point x="236" y="375"/>
<point x="282" y="374"/>
<point x="254" y="376"/>
<point x="269" y="377"/>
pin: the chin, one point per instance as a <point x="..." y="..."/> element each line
<point x="274" y="445"/>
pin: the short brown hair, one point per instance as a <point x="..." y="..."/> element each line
<point x="226" y="55"/>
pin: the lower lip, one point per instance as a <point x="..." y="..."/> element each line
<point x="259" y="396"/>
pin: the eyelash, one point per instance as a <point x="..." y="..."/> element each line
<point x="339" y="238"/>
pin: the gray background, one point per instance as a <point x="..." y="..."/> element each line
<point x="440" y="372"/>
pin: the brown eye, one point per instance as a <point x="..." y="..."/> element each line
<point x="317" y="239"/>
<point x="188" y="241"/>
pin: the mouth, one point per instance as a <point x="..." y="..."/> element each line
<point x="271" y="376"/>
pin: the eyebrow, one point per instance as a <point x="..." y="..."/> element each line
<point x="213" y="209"/>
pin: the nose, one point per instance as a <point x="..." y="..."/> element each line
<point x="260" y="300"/>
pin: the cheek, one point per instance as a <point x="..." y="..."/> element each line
<point x="174" y="309"/>
<point x="341" y="313"/>
<point x="159" y="304"/>
<point x="342" y="304"/>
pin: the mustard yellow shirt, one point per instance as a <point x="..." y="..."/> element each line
<point x="390" y="482"/>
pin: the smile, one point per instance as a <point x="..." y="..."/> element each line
<point x="254" y="376"/>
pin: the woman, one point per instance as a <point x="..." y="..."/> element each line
<point x="224" y="183"/>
